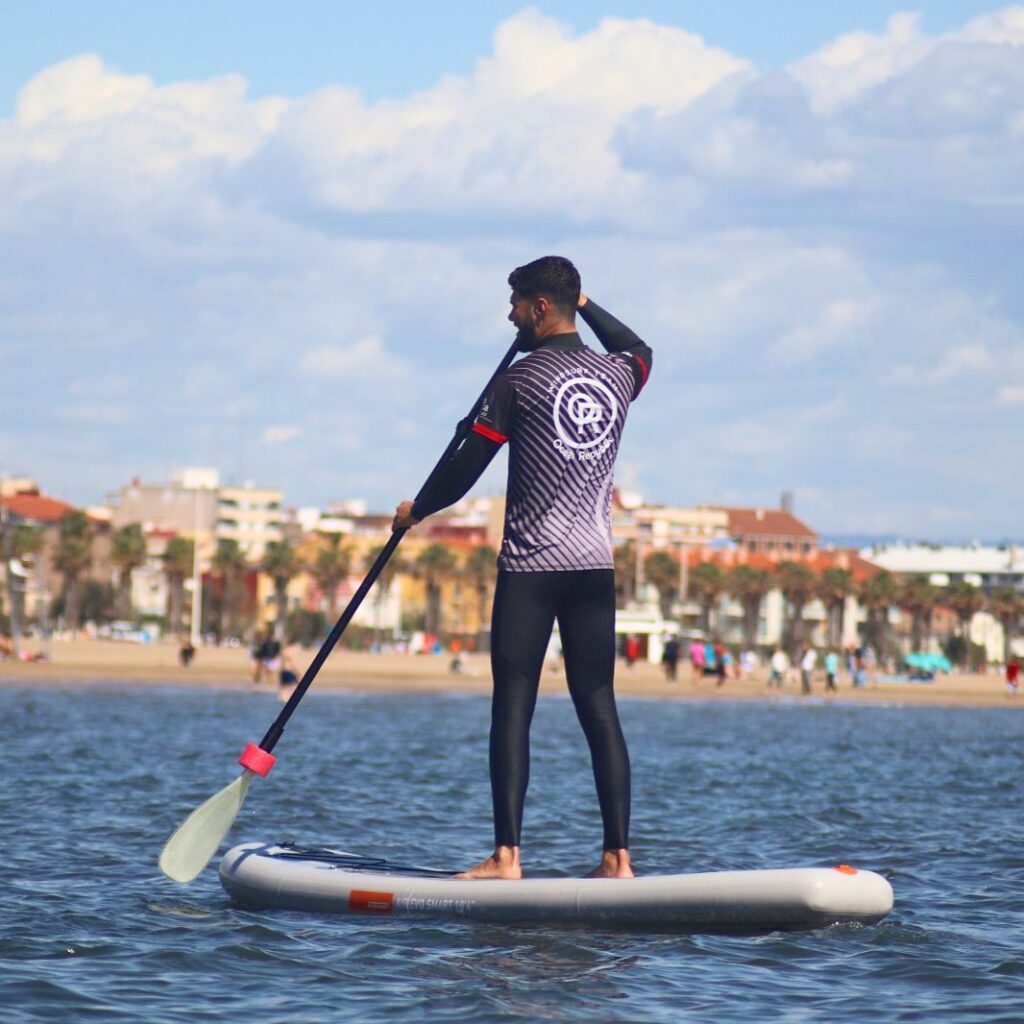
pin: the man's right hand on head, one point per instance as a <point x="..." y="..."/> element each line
<point x="403" y="517"/>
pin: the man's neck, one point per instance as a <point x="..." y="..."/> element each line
<point x="556" y="325"/>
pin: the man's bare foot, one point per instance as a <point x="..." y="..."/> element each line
<point x="614" y="864"/>
<point x="503" y="863"/>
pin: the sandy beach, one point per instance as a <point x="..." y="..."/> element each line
<point x="94" y="662"/>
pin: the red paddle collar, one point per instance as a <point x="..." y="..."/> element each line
<point x="257" y="760"/>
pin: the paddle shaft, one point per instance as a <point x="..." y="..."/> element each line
<point x="273" y="734"/>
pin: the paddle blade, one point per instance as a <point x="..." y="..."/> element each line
<point x="197" y="838"/>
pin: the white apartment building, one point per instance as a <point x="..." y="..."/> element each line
<point x="250" y="515"/>
<point x="987" y="566"/>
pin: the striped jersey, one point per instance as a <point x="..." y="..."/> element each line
<point x="562" y="409"/>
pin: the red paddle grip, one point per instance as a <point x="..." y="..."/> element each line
<point x="257" y="760"/>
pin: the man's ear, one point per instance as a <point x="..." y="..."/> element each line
<point x="541" y="307"/>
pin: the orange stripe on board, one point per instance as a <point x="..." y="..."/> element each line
<point x="846" y="869"/>
<point x="370" y="902"/>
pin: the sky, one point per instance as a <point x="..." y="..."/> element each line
<point x="275" y="239"/>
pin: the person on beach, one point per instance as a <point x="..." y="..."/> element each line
<point x="256" y="655"/>
<point x="831" y="671"/>
<point x="1012" y="677"/>
<point x="562" y="409"/>
<point x="696" y="661"/>
<point x="721" y="664"/>
<point x="778" y="666"/>
<point x="670" y="658"/>
<point x="807" y="662"/>
<point x="288" y="677"/>
<point x="632" y="650"/>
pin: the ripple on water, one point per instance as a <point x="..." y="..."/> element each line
<point x="92" y="931"/>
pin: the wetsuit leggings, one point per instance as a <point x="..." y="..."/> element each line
<point x="526" y="605"/>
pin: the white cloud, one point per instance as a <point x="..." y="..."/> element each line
<point x="958" y="362"/>
<point x="98" y="412"/>
<point x="365" y="359"/>
<point x="282" y="434"/>
<point x="825" y="258"/>
<point x="1011" y="394"/>
<point x="835" y="323"/>
<point x="844" y="69"/>
<point x="529" y="131"/>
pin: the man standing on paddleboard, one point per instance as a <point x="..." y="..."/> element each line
<point x="562" y="409"/>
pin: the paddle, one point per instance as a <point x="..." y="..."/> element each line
<point x="197" y="838"/>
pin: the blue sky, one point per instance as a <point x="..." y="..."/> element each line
<point x="274" y="238"/>
<point x="390" y="49"/>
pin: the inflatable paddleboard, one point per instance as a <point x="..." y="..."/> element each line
<point x="729" y="902"/>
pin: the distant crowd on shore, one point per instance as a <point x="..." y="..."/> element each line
<point x="860" y="665"/>
<point x="712" y="658"/>
<point x="274" y="662"/>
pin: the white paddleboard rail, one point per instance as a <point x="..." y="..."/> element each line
<point x="732" y="902"/>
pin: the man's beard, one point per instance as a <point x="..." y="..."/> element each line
<point x="526" y="338"/>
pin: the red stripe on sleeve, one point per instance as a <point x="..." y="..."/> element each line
<point x="491" y="435"/>
<point x="643" y="369"/>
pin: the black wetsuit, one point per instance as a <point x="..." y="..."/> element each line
<point x="562" y="409"/>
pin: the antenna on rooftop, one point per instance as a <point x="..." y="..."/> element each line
<point x="786" y="502"/>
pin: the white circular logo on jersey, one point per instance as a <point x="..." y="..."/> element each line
<point x="584" y="413"/>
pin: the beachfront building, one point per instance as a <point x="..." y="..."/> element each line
<point x="186" y="506"/>
<point x="12" y="485"/>
<point x="150" y="591"/>
<point x="725" y="536"/>
<point x="33" y="577"/>
<point x="195" y="504"/>
<point x="842" y="627"/>
<point x="774" y="533"/>
<point x="251" y="516"/>
<point x="988" y="567"/>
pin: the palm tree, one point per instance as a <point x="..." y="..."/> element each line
<point x="919" y="597"/>
<point x="26" y="543"/>
<point x="878" y="594"/>
<point x="481" y="569"/>
<point x="127" y="552"/>
<point x="385" y="580"/>
<point x="662" y="571"/>
<point x="177" y="559"/>
<point x="72" y="558"/>
<point x="329" y="567"/>
<point x="625" y="572"/>
<point x="229" y="563"/>
<point x="799" y="585"/>
<point x="706" y="583"/>
<point x="281" y="564"/>
<point x="748" y="585"/>
<point x="965" y="600"/>
<point x="1007" y="606"/>
<point x="434" y="565"/>
<point x="835" y="585"/>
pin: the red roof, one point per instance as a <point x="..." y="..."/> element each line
<point x="37" y="507"/>
<point x="819" y="561"/>
<point x="845" y="558"/>
<point x="766" y="522"/>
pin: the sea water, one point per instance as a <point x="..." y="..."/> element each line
<point x="94" y="780"/>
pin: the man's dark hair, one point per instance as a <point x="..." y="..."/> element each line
<point x="554" y="277"/>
